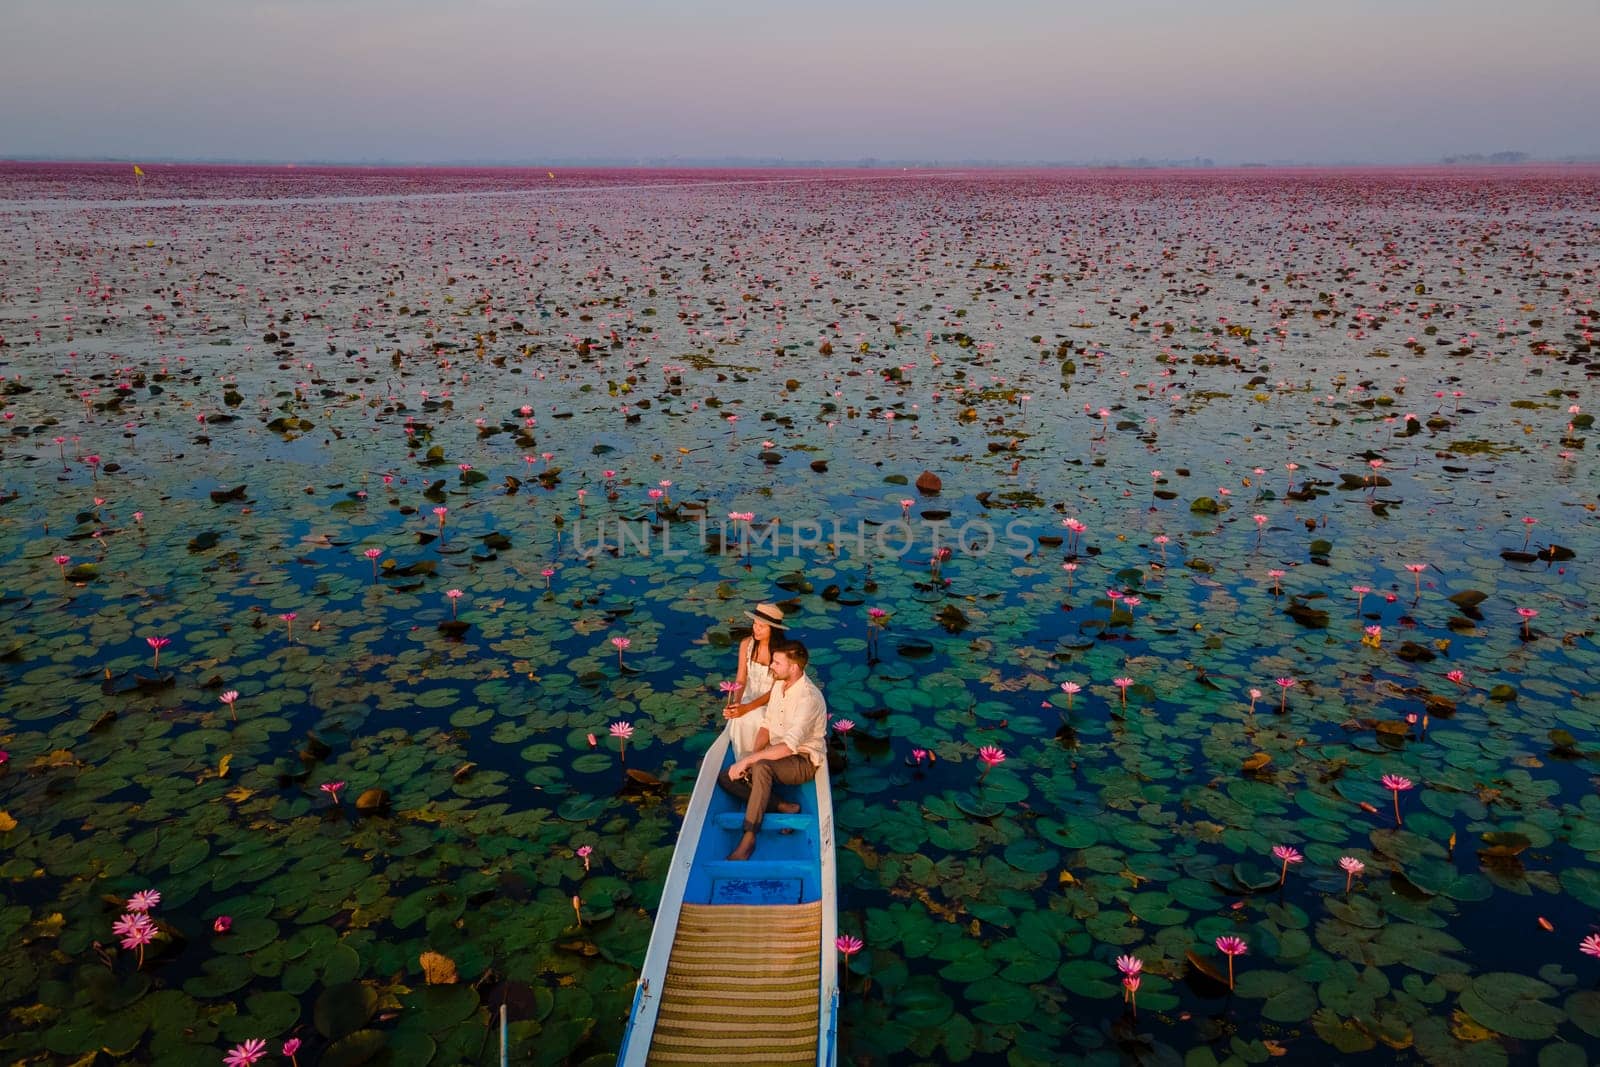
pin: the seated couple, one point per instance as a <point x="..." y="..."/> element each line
<point x="788" y="747"/>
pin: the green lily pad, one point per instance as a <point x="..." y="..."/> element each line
<point x="1513" y="1004"/>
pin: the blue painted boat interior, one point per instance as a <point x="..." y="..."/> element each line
<point x="785" y="868"/>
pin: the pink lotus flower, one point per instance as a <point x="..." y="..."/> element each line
<point x="228" y="698"/>
<point x="1396" y="784"/>
<point x="1070" y="688"/>
<point x="548" y="573"/>
<point x="157" y="644"/>
<point x="1416" y="570"/>
<point x="62" y="561"/>
<point x="583" y="853"/>
<point x="332" y="789"/>
<point x="992" y="757"/>
<point x="1360" y="591"/>
<point x="136" y="930"/>
<point x="1528" y="615"/>
<point x="1352" y="867"/>
<point x="1590" y="946"/>
<point x="848" y="945"/>
<point x="373" y="554"/>
<point x="288" y="618"/>
<point x="592" y="741"/>
<point x="454" y="595"/>
<point x="728" y="689"/>
<point x="1130" y="991"/>
<point x="918" y="755"/>
<point x="1122" y="685"/>
<point x="844" y="726"/>
<point x="1285" y="684"/>
<point x="290" y="1047"/>
<point x="620" y="643"/>
<point x="1528" y="522"/>
<point x="1255" y="695"/>
<point x="1275" y="575"/>
<point x="246" y="1054"/>
<point x="622" y="731"/>
<point x="222" y="924"/>
<point x="439" y="513"/>
<point x="144" y="900"/>
<point x="1458" y="677"/>
<point x="1231" y="947"/>
<point x="1288" y="855"/>
<point x="1130" y="965"/>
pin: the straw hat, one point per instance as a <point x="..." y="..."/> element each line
<point x="770" y="614"/>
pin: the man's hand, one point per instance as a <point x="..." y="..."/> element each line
<point x="740" y="768"/>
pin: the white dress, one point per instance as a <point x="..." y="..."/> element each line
<point x="742" y="731"/>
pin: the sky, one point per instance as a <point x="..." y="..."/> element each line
<point x="1379" y="81"/>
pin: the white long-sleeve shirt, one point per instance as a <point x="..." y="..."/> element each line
<point x="797" y="716"/>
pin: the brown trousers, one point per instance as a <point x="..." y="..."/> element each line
<point x="755" y="789"/>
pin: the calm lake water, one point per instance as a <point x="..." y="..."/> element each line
<point x="397" y="460"/>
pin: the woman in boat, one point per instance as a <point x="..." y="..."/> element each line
<point x="755" y="678"/>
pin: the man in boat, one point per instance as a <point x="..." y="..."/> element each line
<point x="789" y="747"/>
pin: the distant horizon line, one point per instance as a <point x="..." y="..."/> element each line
<point x="1495" y="159"/>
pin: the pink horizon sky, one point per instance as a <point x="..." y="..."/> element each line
<point x="413" y="80"/>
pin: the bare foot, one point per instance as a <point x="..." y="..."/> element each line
<point x="745" y="848"/>
<point x="788" y="807"/>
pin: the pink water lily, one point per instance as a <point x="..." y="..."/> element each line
<point x="1396" y="784"/>
<point x="373" y="554"/>
<point x="1352" y="867"/>
<point x="1590" y="946"/>
<point x="583" y="853"/>
<point x="1231" y="947"/>
<point x="1286" y="684"/>
<point x="1122" y="685"/>
<point x="222" y="924"/>
<point x="455" y="595"/>
<point x="288" y="618"/>
<point x="1416" y="570"/>
<point x="992" y="757"/>
<point x="620" y="643"/>
<point x="332" y="789"/>
<point x="1528" y="615"/>
<point x="157" y="644"/>
<point x="290" y="1047"/>
<point x="246" y="1054"/>
<point x="622" y="731"/>
<point x="1288" y="855"/>
<point x="1070" y="688"/>
<point x="1129" y="965"/>
<point x="136" y="930"/>
<point x="229" y="698"/>
<point x="844" y="726"/>
<point x="62" y="561"/>
<point x="144" y="900"/>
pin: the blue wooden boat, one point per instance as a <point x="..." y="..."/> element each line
<point x="708" y="994"/>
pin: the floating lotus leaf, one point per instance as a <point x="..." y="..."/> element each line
<point x="1513" y="1005"/>
<point x="1288" y="998"/>
<point x="360" y="1047"/>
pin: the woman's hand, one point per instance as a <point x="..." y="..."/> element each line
<point x="734" y="711"/>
